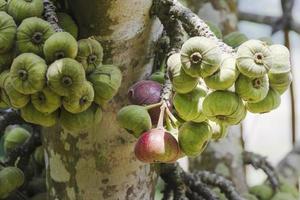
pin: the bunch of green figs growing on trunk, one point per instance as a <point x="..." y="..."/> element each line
<point x="47" y="74"/>
<point x="211" y="91"/>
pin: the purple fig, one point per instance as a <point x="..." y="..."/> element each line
<point x="157" y="145"/>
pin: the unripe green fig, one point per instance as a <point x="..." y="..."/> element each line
<point x="252" y="89"/>
<point x="39" y="156"/>
<point x="262" y="192"/>
<point x="60" y="45"/>
<point x="219" y="131"/>
<point x="79" y="100"/>
<point x="32" y="34"/>
<point x="22" y="9"/>
<point x="11" y="178"/>
<point x="135" y="119"/>
<point x="28" y="72"/>
<point x="3" y="4"/>
<point x="46" y="101"/>
<point x="224" y="107"/>
<point x="75" y="123"/>
<point x="6" y="60"/>
<point x="14" y="138"/>
<point x="32" y="115"/>
<point x="215" y="29"/>
<point x="194" y="137"/>
<point x="8" y="29"/>
<point x="106" y="81"/>
<point x="254" y="58"/>
<point x="280" y="59"/>
<point x="158" y="76"/>
<point x="90" y="54"/>
<point x="250" y="196"/>
<point x="270" y="102"/>
<point x="65" y="75"/>
<point x="235" y="39"/>
<point x="225" y="77"/>
<point x="66" y="22"/>
<point x="181" y="82"/>
<point x="189" y="105"/>
<point x="287" y="187"/>
<point x="200" y="57"/>
<point x="280" y="82"/>
<point x="283" y="196"/>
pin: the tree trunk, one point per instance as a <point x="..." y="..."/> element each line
<point x="99" y="164"/>
<point x="223" y="157"/>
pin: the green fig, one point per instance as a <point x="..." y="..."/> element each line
<point x="22" y="9"/>
<point x="65" y="75"/>
<point x="11" y="178"/>
<point x="252" y="89"/>
<point x="219" y="131"/>
<point x="250" y="196"/>
<point x="281" y="59"/>
<point x="135" y="119"/>
<point x="32" y="115"/>
<point x="224" y="107"/>
<point x="189" y="106"/>
<point x="200" y="57"/>
<point x="262" y="192"/>
<point x="235" y="39"/>
<point x="60" y="45"/>
<point x="181" y="82"/>
<point x="215" y="29"/>
<point x="79" y="100"/>
<point x="15" y="137"/>
<point x="287" y="187"/>
<point x="46" y="101"/>
<point x="225" y="77"/>
<point x="32" y="34"/>
<point x="254" y="58"/>
<point x="8" y="29"/>
<point x="158" y="76"/>
<point x="4" y="97"/>
<point x="28" y="73"/>
<point x="3" y="4"/>
<point x="280" y="82"/>
<point x="80" y="121"/>
<point x="283" y="196"/>
<point x="270" y="102"/>
<point x="194" y="137"/>
<point x="66" y="22"/>
<point x="6" y="60"/>
<point x="106" y="81"/>
<point x="90" y="54"/>
<point x="38" y="156"/>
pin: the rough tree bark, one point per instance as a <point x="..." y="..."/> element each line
<point x="99" y="163"/>
<point x="223" y="157"/>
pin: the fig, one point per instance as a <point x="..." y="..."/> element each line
<point x="32" y="34"/>
<point x="64" y="76"/>
<point x="280" y="81"/>
<point x="106" y="81"/>
<point x="46" y="101"/>
<point x="263" y="191"/>
<point x="181" y="82"/>
<point x="8" y="29"/>
<point x="74" y="123"/>
<point x="254" y="58"/>
<point x="252" y="89"/>
<point x="200" y="57"/>
<point x="235" y="39"/>
<point x="32" y="115"/>
<point x="79" y="100"/>
<point x="11" y="178"/>
<point x="22" y="9"/>
<point x="270" y="102"/>
<point x="60" y="45"/>
<point x="219" y="131"/>
<point x="225" y="77"/>
<point x="39" y="156"/>
<point x="194" y="137"/>
<point x="28" y="73"/>
<point x="6" y="60"/>
<point x="14" y="138"/>
<point x="157" y="145"/>
<point x="281" y="59"/>
<point x="224" y="107"/>
<point x="215" y="29"/>
<point x="158" y="77"/>
<point x="67" y="23"/>
<point x="3" y="4"/>
<point x="90" y="54"/>
<point x="135" y="119"/>
<point x="283" y="196"/>
<point x="189" y="106"/>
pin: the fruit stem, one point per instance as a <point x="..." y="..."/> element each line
<point x="171" y="116"/>
<point x="160" y="123"/>
<point x="149" y="107"/>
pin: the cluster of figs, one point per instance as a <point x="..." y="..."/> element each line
<point x="212" y="90"/>
<point x="11" y="178"/>
<point x="46" y="73"/>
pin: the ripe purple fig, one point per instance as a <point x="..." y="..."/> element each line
<point x="157" y="145"/>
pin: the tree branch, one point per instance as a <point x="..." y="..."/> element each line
<point x="50" y="15"/>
